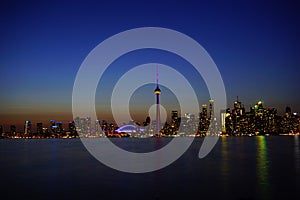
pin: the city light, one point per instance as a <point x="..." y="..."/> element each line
<point x="234" y="122"/>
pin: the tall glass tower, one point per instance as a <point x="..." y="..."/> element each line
<point x="157" y="93"/>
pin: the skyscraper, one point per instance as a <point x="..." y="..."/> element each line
<point x="157" y="93"/>
<point x="203" y="121"/>
<point x="72" y="129"/>
<point x="238" y="107"/>
<point x="59" y="127"/>
<point x="39" y="129"/>
<point x="13" y="130"/>
<point x="27" y="128"/>
<point x="211" y="109"/>
<point x="1" y="130"/>
<point x="223" y="120"/>
<point x="53" y="126"/>
<point x="174" y="116"/>
<point x="288" y="111"/>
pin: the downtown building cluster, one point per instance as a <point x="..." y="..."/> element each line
<point x="258" y="121"/>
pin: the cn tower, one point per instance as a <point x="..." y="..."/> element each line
<point x="157" y="93"/>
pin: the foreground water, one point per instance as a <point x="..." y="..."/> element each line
<point x="237" y="168"/>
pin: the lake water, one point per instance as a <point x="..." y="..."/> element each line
<point x="237" y="168"/>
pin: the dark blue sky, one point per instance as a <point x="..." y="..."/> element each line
<point x="255" y="45"/>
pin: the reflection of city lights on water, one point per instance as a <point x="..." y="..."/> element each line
<point x="263" y="167"/>
<point x="297" y="152"/>
<point x="225" y="159"/>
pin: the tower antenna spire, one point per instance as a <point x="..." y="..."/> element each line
<point x="156" y="75"/>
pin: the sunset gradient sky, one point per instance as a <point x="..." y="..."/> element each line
<point x="255" y="44"/>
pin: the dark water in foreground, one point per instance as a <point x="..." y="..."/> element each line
<point x="237" y="168"/>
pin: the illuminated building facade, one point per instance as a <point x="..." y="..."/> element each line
<point x="203" y="121"/>
<point x="27" y="129"/>
<point x="211" y="109"/>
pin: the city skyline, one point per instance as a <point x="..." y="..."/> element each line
<point x="254" y="44"/>
<point x="236" y="109"/>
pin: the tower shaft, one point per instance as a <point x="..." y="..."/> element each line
<point x="157" y="115"/>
